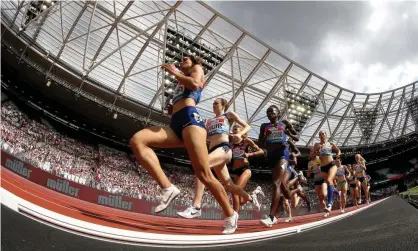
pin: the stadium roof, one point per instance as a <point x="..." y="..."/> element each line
<point x="121" y="45"/>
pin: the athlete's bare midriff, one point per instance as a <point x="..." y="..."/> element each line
<point x="217" y="139"/>
<point x="239" y="163"/>
<point x="183" y="103"/>
<point x="325" y="160"/>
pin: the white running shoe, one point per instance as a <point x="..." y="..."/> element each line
<point x="288" y="220"/>
<point x="268" y="222"/>
<point x="258" y="190"/>
<point x="231" y="224"/>
<point x="359" y="201"/>
<point x="167" y="195"/>
<point x="255" y="202"/>
<point x="190" y="213"/>
<point x="326" y="214"/>
<point x="342" y="211"/>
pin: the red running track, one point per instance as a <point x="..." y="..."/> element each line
<point x="115" y="218"/>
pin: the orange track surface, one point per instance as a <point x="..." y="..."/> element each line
<point x="115" y="218"/>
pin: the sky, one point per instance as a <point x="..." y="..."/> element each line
<point x="363" y="46"/>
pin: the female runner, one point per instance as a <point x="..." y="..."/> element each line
<point x="273" y="137"/>
<point x="220" y="153"/>
<point x="314" y="171"/>
<point x="352" y="182"/>
<point x="186" y="130"/>
<point x="360" y="168"/>
<point x="328" y="167"/>
<point x="240" y="169"/>
<point x="296" y="190"/>
<point x="342" y="173"/>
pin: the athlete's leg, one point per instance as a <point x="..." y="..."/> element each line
<point x="344" y="196"/>
<point x="199" y="157"/>
<point x="216" y="158"/>
<point x="159" y="137"/>
<point x="242" y="182"/>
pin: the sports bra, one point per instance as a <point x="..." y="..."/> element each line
<point x="218" y="125"/>
<point x="276" y="133"/>
<point x="326" y="149"/>
<point x="359" y="168"/>
<point x="238" y="150"/>
<point x="341" y="171"/>
<point x="315" y="166"/>
<point x="181" y="92"/>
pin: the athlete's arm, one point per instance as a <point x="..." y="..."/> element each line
<point x="291" y="130"/>
<point x="234" y="117"/>
<point x="347" y="172"/>
<point x="294" y="149"/>
<point x="258" y="150"/>
<point x="336" y="150"/>
<point x="309" y="168"/>
<point x="192" y="82"/>
<point x="261" y="138"/>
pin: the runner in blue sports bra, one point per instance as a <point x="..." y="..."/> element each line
<point x="220" y="154"/>
<point x="273" y="137"/>
<point x="186" y="130"/>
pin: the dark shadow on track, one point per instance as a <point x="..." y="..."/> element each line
<point x="390" y="225"/>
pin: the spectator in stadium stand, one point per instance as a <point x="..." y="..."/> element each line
<point x="273" y="137"/>
<point x="220" y="153"/>
<point x="186" y="129"/>
<point x="328" y="167"/>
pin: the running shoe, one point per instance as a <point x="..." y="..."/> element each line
<point x="258" y="190"/>
<point x="326" y="214"/>
<point x="167" y="195"/>
<point x="288" y="220"/>
<point x="255" y="202"/>
<point x="342" y="211"/>
<point x="190" y="213"/>
<point x="268" y="222"/>
<point x="231" y="224"/>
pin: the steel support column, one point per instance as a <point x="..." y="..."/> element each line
<point x="327" y="113"/>
<point x="378" y="103"/>
<point x="305" y="83"/>
<point x="408" y="112"/>
<point x="385" y="118"/>
<point x="342" y="118"/>
<point x="356" y="121"/>
<point x="243" y="85"/>
<point x="397" y="114"/>
<point x="272" y="92"/>
<point x="68" y="37"/>
<point x="145" y="45"/>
